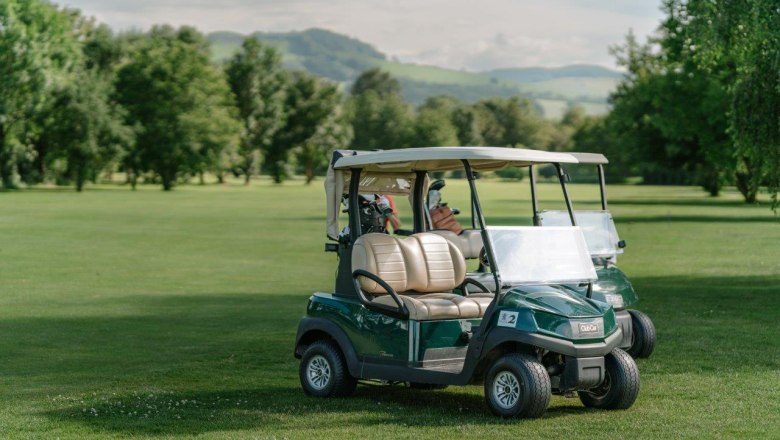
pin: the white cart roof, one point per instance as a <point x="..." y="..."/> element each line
<point x="401" y="163"/>
<point x="447" y="158"/>
<point x="590" y="158"/>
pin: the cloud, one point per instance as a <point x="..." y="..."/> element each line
<point x="451" y="33"/>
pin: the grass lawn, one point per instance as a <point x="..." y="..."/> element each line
<point x="152" y="314"/>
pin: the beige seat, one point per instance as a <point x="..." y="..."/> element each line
<point x="469" y="241"/>
<point x="422" y="268"/>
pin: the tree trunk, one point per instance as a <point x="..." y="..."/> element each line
<point x="247" y="177"/>
<point x="168" y="178"/>
<point x="309" y="173"/>
<point x="221" y="177"/>
<point x="747" y="182"/>
<point x="132" y="177"/>
<point x="201" y="178"/>
<point x="6" y="162"/>
<point x="80" y="178"/>
<point x="748" y="191"/>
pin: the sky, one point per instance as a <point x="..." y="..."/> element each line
<point x="471" y="35"/>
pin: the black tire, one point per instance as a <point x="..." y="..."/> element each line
<point x="426" y="386"/>
<point x="621" y="383"/>
<point x="531" y="385"/>
<point x="643" y="335"/>
<point x="323" y="371"/>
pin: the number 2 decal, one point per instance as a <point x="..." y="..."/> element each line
<point x="507" y="319"/>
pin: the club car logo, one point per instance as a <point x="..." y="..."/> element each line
<point x="589" y="327"/>
<point x="507" y="319"/>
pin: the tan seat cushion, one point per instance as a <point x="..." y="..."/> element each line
<point x="469" y="241"/>
<point x="483" y="300"/>
<point x="434" y="306"/>
<point x="423" y="263"/>
<point x="419" y="268"/>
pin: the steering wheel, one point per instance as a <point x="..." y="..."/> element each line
<point x="483" y="259"/>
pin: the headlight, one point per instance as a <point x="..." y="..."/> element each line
<point x="614" y="300"/>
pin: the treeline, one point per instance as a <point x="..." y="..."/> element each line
<point x="78" y="103"/>
<point x="700" y="104"/>
<point x="701" y="101"/>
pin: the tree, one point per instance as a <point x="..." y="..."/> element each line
<point x="433" y="127"/>
<point x="381" y="119"/>
<point x="378" y="81"/>
<point x="745" y="36"/>
<point x="179" y="100"/>
<point x="36" y="45"/>
<point x="85" y="128"/>
<point x="509" y="122"/>
<point x="671" y="114"/>
<point x="258" y="83"/>
<point x="316" y="123"/>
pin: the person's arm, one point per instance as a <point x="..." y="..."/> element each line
<point x="395" y="222"/>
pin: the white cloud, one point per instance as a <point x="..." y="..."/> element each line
<point x="451" y="33"/>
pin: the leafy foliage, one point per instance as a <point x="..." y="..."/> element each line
<point x="258" y="83"/>
<point x="37" y="48"/>
<point x="180" y="100"/>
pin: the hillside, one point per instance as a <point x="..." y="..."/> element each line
<point x="341" y="58"/>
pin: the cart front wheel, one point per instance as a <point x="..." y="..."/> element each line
<point x="621" y="384"/>
<point x="517" y="385"/>
<point x="323" y="371"/>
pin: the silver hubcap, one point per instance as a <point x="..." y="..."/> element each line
<point x="506" y="389"/>
<point x="318" y="372"/>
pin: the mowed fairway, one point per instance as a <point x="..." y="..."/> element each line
<point x="152" y="314"/>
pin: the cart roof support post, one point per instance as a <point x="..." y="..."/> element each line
<point x="534" y="201"/>
<point x="562" y="179"/>
<point x="355" y="229"/>
<point x="483" y="227"/>
<point x="602" y="187"/>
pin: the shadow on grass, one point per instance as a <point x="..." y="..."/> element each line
<point x="769" y="218"/>
<point x="196" y="364"/>
<point x="281" y="408"/>
<point x="703" y="202"/>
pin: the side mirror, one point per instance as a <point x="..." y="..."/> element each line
<point x="622" y="244"/>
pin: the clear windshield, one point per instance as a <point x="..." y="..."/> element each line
<point x="598" y="227"/>
<point x="552" y="255"/>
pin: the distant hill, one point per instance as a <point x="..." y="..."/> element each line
<point x="341" y="58"/>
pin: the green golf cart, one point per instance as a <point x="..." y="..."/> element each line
<point x="604" y="245"/>
<point x="393" y="317"/>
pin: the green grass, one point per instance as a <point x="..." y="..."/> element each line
<point x="163" y="315"/>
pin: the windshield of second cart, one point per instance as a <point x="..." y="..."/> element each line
<point x="528" y="254"/>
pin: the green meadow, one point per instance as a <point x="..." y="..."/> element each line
<point x="149" y="314"/>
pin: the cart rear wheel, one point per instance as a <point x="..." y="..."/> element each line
<point x="323" y="371"/>
<point x="643" y="335"/>
<point x="517" y="385"/>
<point x="621" y="383"/>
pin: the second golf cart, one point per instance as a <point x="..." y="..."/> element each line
<point x="604" y="245"/>
<point x="393" y="316"/>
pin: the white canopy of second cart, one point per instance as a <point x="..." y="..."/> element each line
<point x="448" y="158"/>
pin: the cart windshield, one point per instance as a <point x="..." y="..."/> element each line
<point x="598" y="227"/>
<point x="533" y="255"/>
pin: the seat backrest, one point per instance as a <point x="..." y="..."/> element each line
<point x="421" y="263"/>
